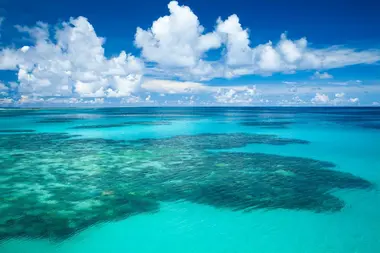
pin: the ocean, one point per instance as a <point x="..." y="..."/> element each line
<point x="190" y="179"/>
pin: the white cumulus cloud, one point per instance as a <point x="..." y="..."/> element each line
<point x="236" y="40"/>
<point x="177" y="40"/>
<point x="68" y="62"/>
<point x="320" y="98"/>
<point x="178" y="43"/>
<point x="321" y="75"/>
<point x="235" y="96"/>
<point x="354" y="100"/>
<point x="73" y="64"/>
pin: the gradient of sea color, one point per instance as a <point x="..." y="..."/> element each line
<point x="212" y="180"/>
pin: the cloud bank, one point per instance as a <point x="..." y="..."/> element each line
<point x="67" y="63"/>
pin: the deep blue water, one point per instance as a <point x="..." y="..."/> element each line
<point x="216" y="179"/>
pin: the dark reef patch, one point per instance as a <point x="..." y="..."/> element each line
<point x="5" y="113"/>
<point x="373" y="125"/>
<point x="17" y="130"/>
<point x="53" y="185"/>
<point x="217" y="141"/>
<point x="57" y="120"/>
<point x="130" y="123"/>
<point x="267" y="124"/>
<point x="362" y="119"/>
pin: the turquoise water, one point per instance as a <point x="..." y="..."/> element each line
<point x="190" y="180"/>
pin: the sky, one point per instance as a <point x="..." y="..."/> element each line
<point x="189" y="53"/>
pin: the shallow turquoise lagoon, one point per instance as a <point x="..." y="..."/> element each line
<point x="190" y="180"/>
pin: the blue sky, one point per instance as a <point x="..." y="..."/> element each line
<point x="130" y="53"/>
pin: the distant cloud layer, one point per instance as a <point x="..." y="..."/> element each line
<point x="69" y="65"/>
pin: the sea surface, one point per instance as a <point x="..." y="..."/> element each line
<point x="217" y="179"/>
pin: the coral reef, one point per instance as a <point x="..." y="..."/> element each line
<point x="53" y="185"/>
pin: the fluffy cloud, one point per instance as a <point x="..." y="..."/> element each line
<point x="235" y="96"/>
<point x="182" y="53"/>
<point x="354" y="100"/>
<point x="289" y="56"/>
<point x="73" y="64"/>
<point x="236" y="40"/>
<point x="176" y="40"/>
<point x="320" y="98"/>
<point x="321" y="75"/>
<point x="68" y="62"/>
<point x="9" y="59"/>
<point x="339" y="99"/>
